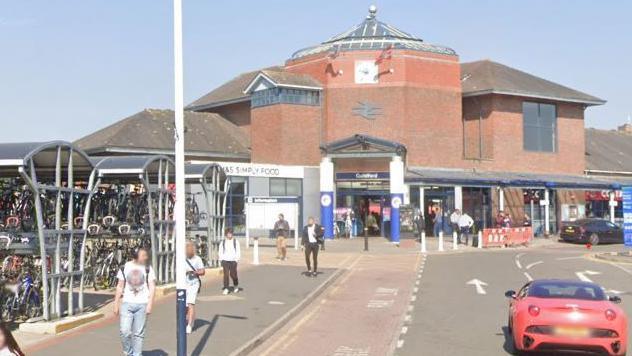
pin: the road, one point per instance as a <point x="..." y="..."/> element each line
<point x="449" y="316"/>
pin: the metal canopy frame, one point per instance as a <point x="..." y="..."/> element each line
<point x="156" y="174"/>
<point x="215" y="186"/>
<point x="45" y="167"/>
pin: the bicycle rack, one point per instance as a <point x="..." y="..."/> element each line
<point x="214" y="185"/>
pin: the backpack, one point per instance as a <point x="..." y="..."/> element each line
<point x="122" y="269"/>
<point x="224" y="244"/>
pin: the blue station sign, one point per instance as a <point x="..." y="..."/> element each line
<point x="627" y="216"/>
<point x="363" y="176"/>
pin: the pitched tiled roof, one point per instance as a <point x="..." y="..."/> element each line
<point x="487" y="77"/>
<point x="608" y="151"/>
<point x="284" y="78"/>
<point x="151" y="131"/>
<point x="229" y="92"/>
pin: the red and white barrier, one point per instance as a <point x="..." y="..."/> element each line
<point x="505" y="237"/>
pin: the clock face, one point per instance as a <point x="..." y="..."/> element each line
<point x="366" y="72"/>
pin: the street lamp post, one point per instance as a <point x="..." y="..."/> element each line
<point x="179" y="207"/>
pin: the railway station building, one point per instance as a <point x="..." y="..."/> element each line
<point x="379" y="122"/>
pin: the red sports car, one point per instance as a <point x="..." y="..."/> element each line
<point x="566" y="316"/>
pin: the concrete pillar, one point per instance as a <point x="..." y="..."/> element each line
<point x="547" y="221"/>
<point x="327" y="196"/>
<point x="458" y="197"/>
<point x="501" y="199"/>
<point x="612" y="204"/>
<point x="397" y="195"/>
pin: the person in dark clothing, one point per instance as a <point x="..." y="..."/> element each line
<point x="420" y="222"/>
<point x="312" y="238"/>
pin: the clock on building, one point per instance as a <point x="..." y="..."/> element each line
<point x="366" y="72"/>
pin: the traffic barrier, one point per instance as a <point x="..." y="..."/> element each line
<point x="423" y="242"/>
<point x="505" y="237"/>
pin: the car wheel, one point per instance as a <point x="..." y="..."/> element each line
<point x="594" y="239"/>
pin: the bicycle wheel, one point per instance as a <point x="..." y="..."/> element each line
<point x="8" y="310"/>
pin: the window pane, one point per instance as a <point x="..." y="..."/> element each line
<point x="547" y="115"/>
<point x="294" y="187"/>
<point x="530" y="113"/>
<point x="546" y="140"/>
<point x="531" y="138"/>
<point x="277" y="186"/>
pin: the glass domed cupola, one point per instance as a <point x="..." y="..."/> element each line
<point x="372" y="34"/>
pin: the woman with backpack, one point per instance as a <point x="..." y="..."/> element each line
<point x="229" y="255"/>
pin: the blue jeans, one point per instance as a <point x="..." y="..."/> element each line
<point x="132" y="327"/>
<point x="438" y="226"/>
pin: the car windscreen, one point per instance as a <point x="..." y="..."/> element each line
<point x="566" y="290"/>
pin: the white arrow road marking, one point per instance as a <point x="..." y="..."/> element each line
<point x="614" y="291"/>
<point x="533" y="264"/>
<point x="582" y="275"/>
<point x="479" y="285"/>
<point x="529" y="278"/>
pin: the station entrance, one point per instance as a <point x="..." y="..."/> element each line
<point x="361" y="203"/>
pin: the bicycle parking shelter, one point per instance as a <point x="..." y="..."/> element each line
<point x="214" y="185"/>
<point x="156" y="175"/>
<point x="53" y="168"/>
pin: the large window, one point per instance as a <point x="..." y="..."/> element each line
<point x="285" y="187"/>
<point x="539" y="127"/>
<point x="285" y="96"/>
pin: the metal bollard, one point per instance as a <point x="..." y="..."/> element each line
<point x="423" y="242"/>
<point x="455" y="240"/>
<point x="480" y="239"/>
<point x="255" y="252"/>
<point x="440" y="240"/>
<point x="366" y="239"/>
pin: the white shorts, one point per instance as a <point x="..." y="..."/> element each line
<point x="192" y="292"/>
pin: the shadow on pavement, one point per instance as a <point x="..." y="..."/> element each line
<point x="508" y="345"/>
<point x="210" y="326"/>
<point x="155" y="353"/>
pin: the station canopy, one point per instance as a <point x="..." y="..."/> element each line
<point x="44" y="158"/>
<point x="470" y="177"/>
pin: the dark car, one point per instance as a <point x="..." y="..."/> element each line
<point x="593" y="231"/>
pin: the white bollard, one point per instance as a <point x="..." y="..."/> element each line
<point x="480" y="239"/>
<point x="255" y="252"/>
<point x="440" y="240"/>
<point x="455" y="242"/>
<point x="423" y="242"/>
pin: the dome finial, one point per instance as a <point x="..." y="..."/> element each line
<point x="372" y="12"/>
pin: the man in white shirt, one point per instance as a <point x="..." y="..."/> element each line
<point x="465" y="223"/>
<point x="229" y="255"/>
<point x="134" y="300"/>
<point x="195" y="269"/>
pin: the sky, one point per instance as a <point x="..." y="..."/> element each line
<point x="69" y="68"/>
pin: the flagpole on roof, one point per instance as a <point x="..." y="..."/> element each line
<point x="179" y="213"/>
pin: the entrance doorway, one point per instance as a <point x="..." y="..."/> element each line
<point x="369" y="207"/>
<point x="438" y="205"/>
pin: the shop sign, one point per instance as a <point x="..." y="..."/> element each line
<point x="627" y="216"/>
<point x="270" y="200"/>
<point x="363" y="176"/>
<point x="592" y="195"/>
<point x="260" y="170"/>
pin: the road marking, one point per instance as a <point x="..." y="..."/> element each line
<point x="479" y="285"/>
<point x="400" y="343"/>
<point x="348" y="351"/>
<point x="518" y="264"/>
<point x="417" y="282"/>
<point x="386" y="291"/>
<point x="529" y="278"/>
<point x="569" y="258"/>
<point x="533" y="264"/>
<point x="274" y="302"/>
<point x="582" y="275"/>
<point x="379" y="304"/>
<point x="416" y="290"/>
<point x="614" y="291"/>
<point x="404" y="329"/>
<point x="413" y="298"/>
<point x="407" y="318"/>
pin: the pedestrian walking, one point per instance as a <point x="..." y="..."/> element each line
<point x="500" y="219"/>
<point x="195" y="270"/>
<point x="134" y="300"/>
<point x="229" y="255"/>
<point x="8" y="345"/>
<point x="454" y="221"/>
<point x="312" y="238"/>
<point x="281" y="230"/>
<point x="507" y="221"/>
<point x="420" y="223"/>
<point x="438" y="222"/>
<point x="465" y="223"/>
